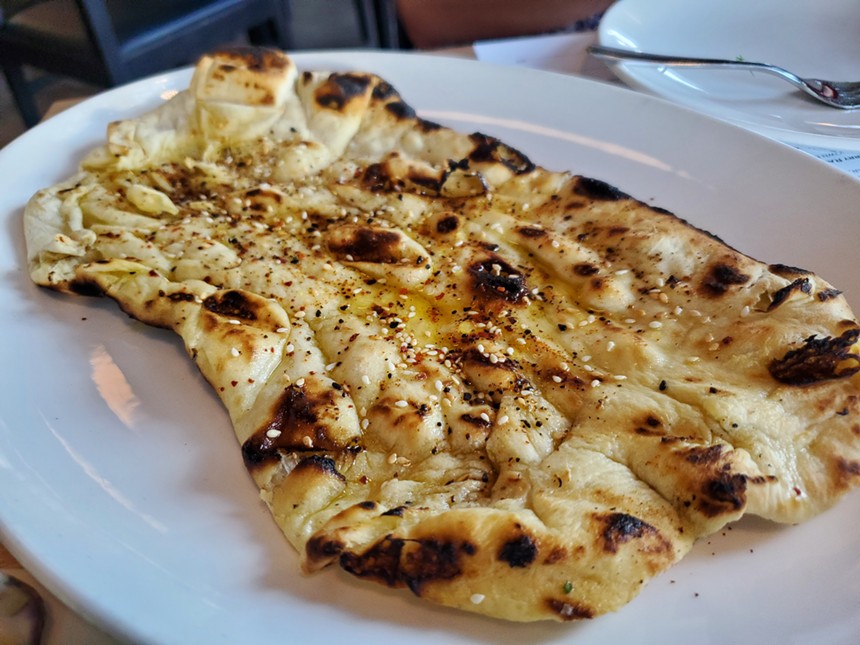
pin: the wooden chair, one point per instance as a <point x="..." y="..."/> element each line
<point x="111" y="42"/>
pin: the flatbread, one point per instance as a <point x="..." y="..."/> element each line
<point x="518" y="392"/>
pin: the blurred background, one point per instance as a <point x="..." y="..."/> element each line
<point x="54" y="51"/>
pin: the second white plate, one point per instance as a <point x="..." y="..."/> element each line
<point x="808" y="37"/>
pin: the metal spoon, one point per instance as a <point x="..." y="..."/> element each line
<point x="838" y="94"/>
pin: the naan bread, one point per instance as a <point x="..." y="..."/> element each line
<point x="517" y="392"/>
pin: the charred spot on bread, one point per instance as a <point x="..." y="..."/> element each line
<point x="569" y="610"/>
<point x="826" y="294"/>
<point x="531" y="231"/>
<point x="367" y="244"/>
<point x="490" y="150"/>
<point x="519" y="551"/>
<point x="400" y="110"/>
<point x="818" y="360"/>
<point x="721" y="277"/>
<point x="396" y="562"/>
<point x="86" y="287"/>
<point x="787" y="271"/>
<point x="232" y="304"/>
<point x="620" y="528"/>
<point x="253" y="58"/>
<point x="493" y="278"/>
<point x="802" y="285"/>
<point x="339" y="89"/>
<point x="723" y="493"/>
<point x="598" y="190"/>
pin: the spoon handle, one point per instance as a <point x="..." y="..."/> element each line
<point x="680" y="61"/>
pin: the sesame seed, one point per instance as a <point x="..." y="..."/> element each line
<point x="622" y="271"/>
<point x="555" y="244"/>
<point x="301" y="314"/>
<point x="663" y="298"/>
<point x="300" y="382"/>
<point x="307" y="442"/>
<point x="610" y="345"/>
<point x="401" y="403"/>
<point x="330" y="367"/>
<point x="678" y="311"/>
<point x="290" y="348"/>
<point x="272" y="433"/>
<point x="630" y="321"/>
<point x="556" y="378"/>
<point x="365" y="423"/>
<point x="503" y="419"/>
<point x="365" y="379"/>
<point x="485" y="417"/>
<point x="234" y="351"/>
<point x="588" y="368"/>
<point x="477" y="598"/>
<point x="745" y="312"/>
<point x="392" y="458"/>
<point x="595" y="383"/>
<point x="439" y="385"/>
<point x="233" y="321"/>
<point x="586" y="358"/>
<point x="620" y="377"/>
<point x="713" y="347"/>
<point x="655" y="324"/>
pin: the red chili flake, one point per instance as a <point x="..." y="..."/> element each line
<point x="440" y="296"/>
<point x="797" y="491"/>
<point x="234" y="383"/>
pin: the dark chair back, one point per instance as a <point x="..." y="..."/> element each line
<point x="110" y="42"/>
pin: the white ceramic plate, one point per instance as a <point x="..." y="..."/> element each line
<point x="121" y="484"/>
<point x="809" y="37"/>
